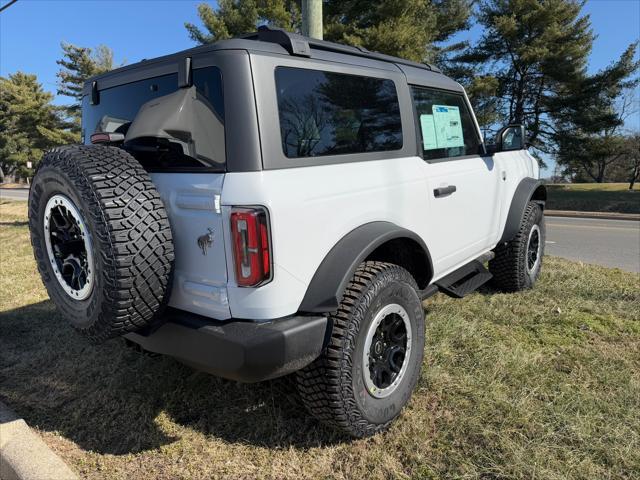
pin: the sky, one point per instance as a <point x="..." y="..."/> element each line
<point x="31" y="31"/>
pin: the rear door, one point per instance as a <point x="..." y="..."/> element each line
<point x="189" y="187"/>
<point x="462" y="184"/>
<point x="192" y="199"/>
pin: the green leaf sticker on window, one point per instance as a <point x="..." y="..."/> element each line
<point x="429" y="141"/>
<point x="448" y="126"/>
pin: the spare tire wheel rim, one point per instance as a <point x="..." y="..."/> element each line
<point x="534" y="247"/>
<point x="387" y="350"/>
<point x="69" y="248"/>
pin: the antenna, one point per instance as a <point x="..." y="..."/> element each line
<point x="8" y="5"/>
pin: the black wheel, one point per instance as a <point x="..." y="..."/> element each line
<point x="517" y="263"/>
<point x="101" y="239"/>
<point x="372" y="362"/>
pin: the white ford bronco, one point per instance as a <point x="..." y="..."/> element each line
<point x="276" y="204"/>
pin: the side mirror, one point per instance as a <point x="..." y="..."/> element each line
<point x="490" y="148"/>
<point x="511" y="137"/>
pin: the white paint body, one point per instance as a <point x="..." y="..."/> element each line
<point x="312" y="208"/>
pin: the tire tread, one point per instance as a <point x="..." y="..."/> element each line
<point x="508" y="265"/>
<point x="134" y="239"/>
<point x="325" y="385"/>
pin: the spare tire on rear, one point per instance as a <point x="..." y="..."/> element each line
<point x="101" y="238"/>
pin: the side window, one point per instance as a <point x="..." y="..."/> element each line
<point x="445" y="124"/>
<point x="326" y="113"/>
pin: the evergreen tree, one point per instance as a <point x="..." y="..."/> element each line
<point x="590" y="117"/>
<point x="406" y="28"/>
<point x="78" y="64"/>
<point x="29" y="123"/>
<point x="409" y="29"/>
<point x="236" y="17"/>
<point x="529" y="50"/>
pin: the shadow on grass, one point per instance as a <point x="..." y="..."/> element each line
<point x="16" y="223"/>
<point x="111" y="399"/>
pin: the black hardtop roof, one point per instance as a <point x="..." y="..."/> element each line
<point x="277" y="41"/>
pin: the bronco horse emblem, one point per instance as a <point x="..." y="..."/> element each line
<point x="205" y="241"/>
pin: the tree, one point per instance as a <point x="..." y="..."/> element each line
<point x="590" y="117"/>
<point x="627" y="168"/>
<point x="589" y="158"/>
<point x="407" y="28"/>
<point x="632" y="159"/>
<point x="529" y="49"/>
<point x="237" y="17"/>
<point x="78" y="64"/>
<point x="410" y="29"/>
<point x="29" y="123"/>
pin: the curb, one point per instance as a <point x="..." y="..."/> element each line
<point x="597" y="215"/>
<point x="23" y="454"/>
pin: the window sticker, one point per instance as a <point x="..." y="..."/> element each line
<point x="448" y="126"/>
<point x="429" y="141"/>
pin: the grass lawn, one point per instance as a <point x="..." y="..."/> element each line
<point x="543" y="384"/>
<point x="594" y="197"/>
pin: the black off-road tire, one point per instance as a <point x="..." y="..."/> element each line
<point x="332" y="388"/>
<point x="129" y="232"/>
<point x="509" y="266"/>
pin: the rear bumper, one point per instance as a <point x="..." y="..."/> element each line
<point x="238" y="350"/>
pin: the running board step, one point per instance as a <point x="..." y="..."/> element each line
<point x="464" y="280"/>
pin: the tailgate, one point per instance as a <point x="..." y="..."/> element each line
<point x="192" y="201"/>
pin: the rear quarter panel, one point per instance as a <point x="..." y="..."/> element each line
<point x="312" y="207"/>
<point x="310" y="210"/>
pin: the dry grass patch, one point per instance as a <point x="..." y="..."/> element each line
<point x="542" y="384"/>
<point x="594" y="197"/>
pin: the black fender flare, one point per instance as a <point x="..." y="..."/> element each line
<point x="327" y="286"/>
<point x="527" y="189"/>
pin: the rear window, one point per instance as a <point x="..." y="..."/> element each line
<point x="326" y="113"/>
<point x="119" y="105"/>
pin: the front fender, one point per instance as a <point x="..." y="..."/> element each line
<point x="528" y="189"/>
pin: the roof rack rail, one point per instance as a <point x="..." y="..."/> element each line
<point x="301" y="46"/>
<point x="292" y="42"/>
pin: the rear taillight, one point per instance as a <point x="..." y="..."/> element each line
<point x="107" y="137"/>
<point x="251" y="248"/>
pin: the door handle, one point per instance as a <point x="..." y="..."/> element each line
<point x="442" y="191"/>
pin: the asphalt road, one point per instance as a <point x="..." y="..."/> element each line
<point x="612" y="243"/>
<point x="14" y="193"/>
